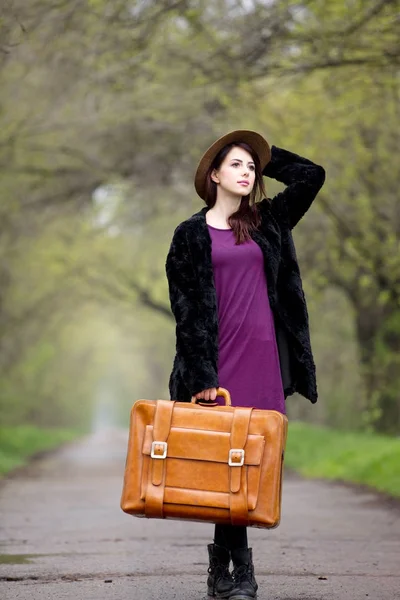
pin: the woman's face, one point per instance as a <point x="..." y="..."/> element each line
<point x="236" y="175"/>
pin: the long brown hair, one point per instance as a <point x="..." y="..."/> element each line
<point x="247" y="217"/>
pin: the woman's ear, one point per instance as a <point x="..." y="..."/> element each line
<point x="214" y="176"/>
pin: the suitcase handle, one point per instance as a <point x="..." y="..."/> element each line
<point x="220" y="392"/>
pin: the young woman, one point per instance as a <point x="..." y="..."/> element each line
<point x="236" y="294"/>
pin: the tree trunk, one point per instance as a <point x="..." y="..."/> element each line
<point x="378" y="333"/>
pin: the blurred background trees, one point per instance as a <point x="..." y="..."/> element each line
<point x="105" y="107"/>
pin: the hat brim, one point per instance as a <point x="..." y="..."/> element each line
<point x="252" y="138"/>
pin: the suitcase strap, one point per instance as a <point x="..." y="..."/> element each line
<point x="156" y="484"/>
<point x="238" y="480"/>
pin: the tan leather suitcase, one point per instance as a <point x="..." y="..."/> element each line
<point x="220" y="464"/>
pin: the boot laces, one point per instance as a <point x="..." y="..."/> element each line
<point x="242" y="573"/>
<point x="219" y="570"/>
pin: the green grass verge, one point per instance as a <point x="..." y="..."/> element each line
<point x="18" y="444"/>
<point x="369" y="459"/>
<point x="313" y="451"/>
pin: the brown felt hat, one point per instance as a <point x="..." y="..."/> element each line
<point x="252" y="138"/>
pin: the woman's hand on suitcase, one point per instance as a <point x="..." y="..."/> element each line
<point x="208" y="394"/>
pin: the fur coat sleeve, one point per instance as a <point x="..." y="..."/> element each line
<point x="192" y="337"/>
<point x="304" y="180"/>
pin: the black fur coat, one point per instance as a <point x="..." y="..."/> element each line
<point x="193" y="296"/>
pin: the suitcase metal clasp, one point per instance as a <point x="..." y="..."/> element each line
<point x="159" y="450"/>
<point x="236" y="457"/>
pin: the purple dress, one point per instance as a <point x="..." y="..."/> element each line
<point x="248" y="360"/>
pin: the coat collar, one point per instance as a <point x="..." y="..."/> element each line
<point x="268" y="238"/>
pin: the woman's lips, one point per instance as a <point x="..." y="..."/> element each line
<point x="243" y="183"/>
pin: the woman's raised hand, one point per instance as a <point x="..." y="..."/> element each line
<point x="208" y="394"/>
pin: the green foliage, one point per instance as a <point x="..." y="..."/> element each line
<point x="124" y="98"/>
<point x="369" y="459"/>
<point x="350" y="239"/>
<point x="18" y="444"/>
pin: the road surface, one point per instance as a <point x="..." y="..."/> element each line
<point x="63" y="536"/>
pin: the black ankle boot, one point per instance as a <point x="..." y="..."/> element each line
<point x="219" y="582"/>
<point x="243" y="575"/>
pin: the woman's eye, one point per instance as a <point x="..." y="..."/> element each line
<point x="251" y="167"/>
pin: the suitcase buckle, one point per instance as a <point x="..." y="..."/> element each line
<point x="236" y="457"/>
<point x="156" y="448"/>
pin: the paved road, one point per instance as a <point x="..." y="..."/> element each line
<point x="66" y="538"/>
